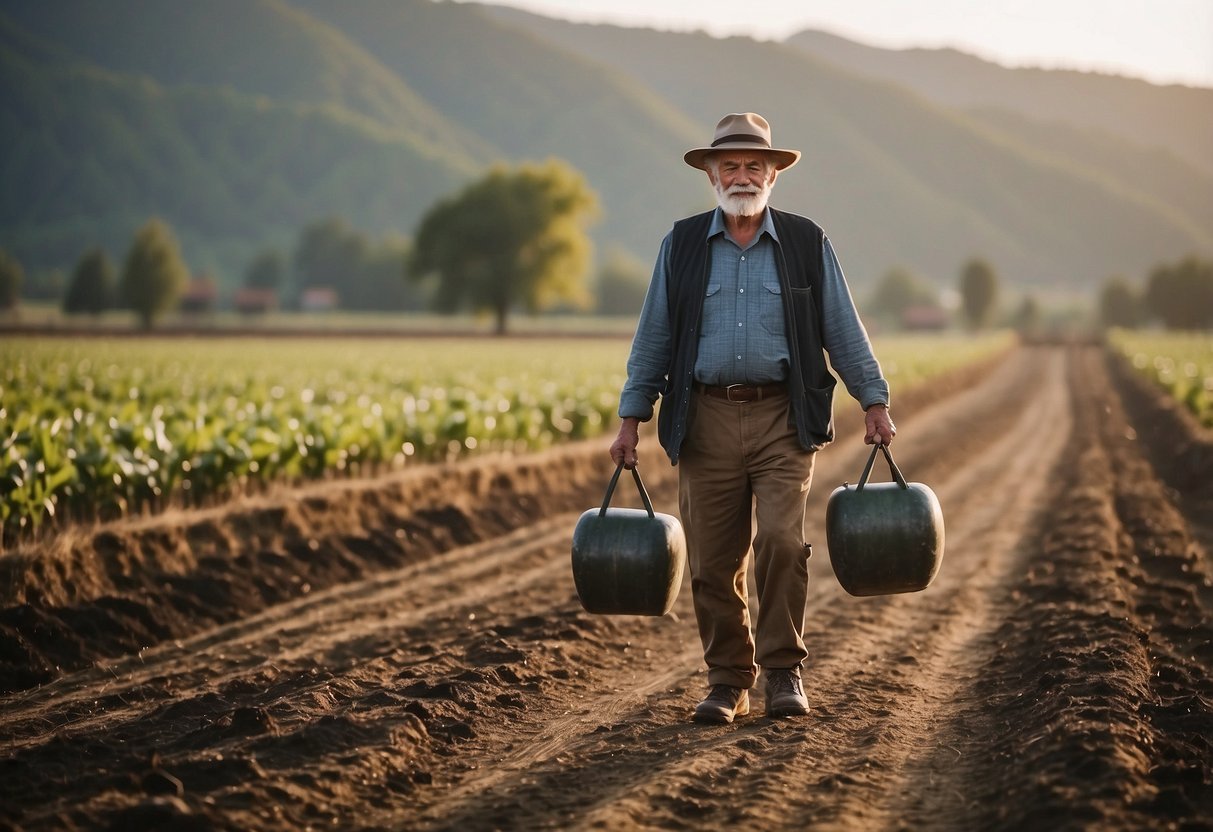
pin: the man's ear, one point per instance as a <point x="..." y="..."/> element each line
<point x="774" y="173"/>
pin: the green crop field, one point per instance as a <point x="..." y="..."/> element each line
<point x="99" y="428"/>
<point x="1180" y="363"/>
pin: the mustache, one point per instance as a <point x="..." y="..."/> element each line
<point x="743" y="190"/>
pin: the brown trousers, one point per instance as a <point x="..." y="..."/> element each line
<point x="742" y="463"/>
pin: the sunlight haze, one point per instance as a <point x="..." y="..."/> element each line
<point x="1163" y="41"/>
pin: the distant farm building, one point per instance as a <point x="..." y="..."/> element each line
<point x="924" y="317"/>
<point x="318" y="299"/>
<point x="199" y="296"/>
<point x="249" y="301"/>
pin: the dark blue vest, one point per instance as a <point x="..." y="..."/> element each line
<point x="798" y="258"/>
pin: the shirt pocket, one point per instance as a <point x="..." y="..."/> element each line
<point x="770" y="307"/>
<point x="712" y="312"/>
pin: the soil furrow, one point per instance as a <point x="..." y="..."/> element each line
<point x="440" y="673"/>
<point x="317" y="626"/>
<point x="884" y="638"/>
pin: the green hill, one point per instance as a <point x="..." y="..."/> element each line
<point x="895" y="178"/>
<point x="241" y="121"/>
<point x="87" y="155"/>
<point x="534" y="99"/>
<point x="264" y="48"/>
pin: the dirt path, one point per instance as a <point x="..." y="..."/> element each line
<point x="1056" y="674"/>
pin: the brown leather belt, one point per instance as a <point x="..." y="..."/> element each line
<point x="742" y="393"/>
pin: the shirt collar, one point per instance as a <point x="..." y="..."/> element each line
<point x="717" y="224"/>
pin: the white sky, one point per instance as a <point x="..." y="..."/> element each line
<point x="1164" y="41"/>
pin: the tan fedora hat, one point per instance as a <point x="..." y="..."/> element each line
<point x="742" y="131"/>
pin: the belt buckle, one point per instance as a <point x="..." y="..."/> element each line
<point x="728" y="393"/>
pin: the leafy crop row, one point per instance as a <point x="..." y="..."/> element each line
<point x="1180" y="363"/>
<point x="102" y="428"/>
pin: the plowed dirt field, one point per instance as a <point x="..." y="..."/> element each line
<point x="410" y="653"/>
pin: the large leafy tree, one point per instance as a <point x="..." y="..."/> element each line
<point x="978" y="292"/>
<point x="91" y="290"/>
<point x="154" y="275"/>
<point x="1181" y="294"/>
<point x="514" y="237"/>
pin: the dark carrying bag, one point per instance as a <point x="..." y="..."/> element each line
<point x="884" y="538"/>
<point x="628" y="561"/>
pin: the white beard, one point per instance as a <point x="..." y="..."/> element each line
<point x="740" y="201"/>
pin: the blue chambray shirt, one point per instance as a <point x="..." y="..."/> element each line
<point x="743" y="337"/>
<point x="743" y="340"/>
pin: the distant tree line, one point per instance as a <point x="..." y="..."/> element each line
<point x="905" y="300"/>
<point x="513" y="240"/>
<point x="1178" y="295"/>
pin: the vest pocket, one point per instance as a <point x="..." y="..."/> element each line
<point x="819" y="413"/>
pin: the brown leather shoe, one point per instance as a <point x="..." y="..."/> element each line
<point x="785" y="694"/>
<point x="723" y="703"/>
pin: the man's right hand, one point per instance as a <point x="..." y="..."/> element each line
<point x="623" y="449"/>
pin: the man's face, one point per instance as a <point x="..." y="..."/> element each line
<point x="743" y="181"/>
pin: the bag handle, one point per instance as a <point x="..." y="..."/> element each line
<point x="880" y="446"/>
<point x="644" y="495"/>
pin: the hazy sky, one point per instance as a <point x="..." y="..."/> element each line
<point x="1165" y="41"/>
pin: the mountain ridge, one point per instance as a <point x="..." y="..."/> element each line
<point x="947" y="172"/>
<point x="393" y="104"/>
<point x="1173" y="116"/>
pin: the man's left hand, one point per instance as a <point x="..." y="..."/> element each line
<point x="881" y="429"/>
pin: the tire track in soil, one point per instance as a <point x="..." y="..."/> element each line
<point x="877" y="627"/>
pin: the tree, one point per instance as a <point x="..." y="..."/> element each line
<point x="1119" y="303"/>
<point x="1028" y="317"/>
<point x="1182" y="294"/>
<point x="513" y="237"/>
<point x="267" y="271"/>
<point x="328" y="253"/>
<point x="365" y="272"/>
<point x="978" y="292"/>
<point x="91" y="290"/>
<point x="12" y="275"/>
<point x="899" y="290"/>
<point x="622" y="284"/>
<point x="376" y="283"/>
<point x="154" y="275"/>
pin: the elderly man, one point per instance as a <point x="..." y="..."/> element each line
<point x="744" y="303"/>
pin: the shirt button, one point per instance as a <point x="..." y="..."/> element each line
<point x="739" y="323"/>
<point x="739" y="358"/>
<point x="742" y="291"/>
<point x="743" y="258"/>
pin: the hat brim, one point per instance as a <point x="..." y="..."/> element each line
<point x="784" y="159"/>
